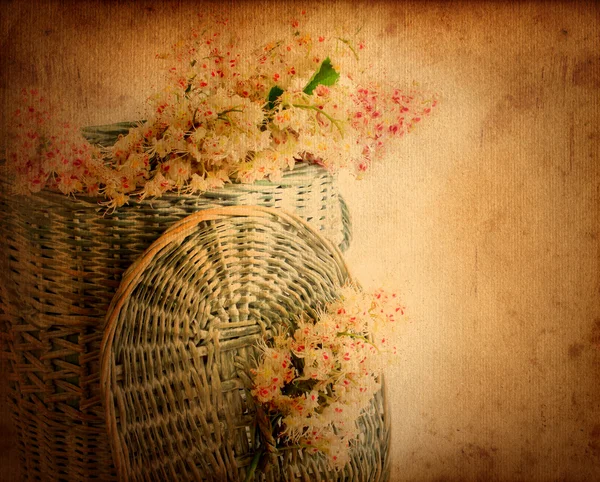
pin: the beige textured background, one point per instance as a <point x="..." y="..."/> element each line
<point x="487" y="217"/>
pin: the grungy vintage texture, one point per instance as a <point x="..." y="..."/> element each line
<point x="486" y="217"/>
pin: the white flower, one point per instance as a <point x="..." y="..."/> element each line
<point x="197" y="184"/>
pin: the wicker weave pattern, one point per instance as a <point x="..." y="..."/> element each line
<point x="60" y="264"/>
<point x="200" y="298"/>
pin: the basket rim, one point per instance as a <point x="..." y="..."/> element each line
<point x="179" y="230"/>
<point x="105" y="135"/>
<point x="302" y="174"/>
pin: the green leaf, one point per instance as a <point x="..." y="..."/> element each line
<point x="274" y="94"/>
<point x="326" y="75"/>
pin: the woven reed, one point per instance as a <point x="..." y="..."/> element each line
<point x="198" y="300"/>
<point x="61" y="261"/>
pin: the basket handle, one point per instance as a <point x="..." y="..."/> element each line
<point x="346" y="223"/>
<point x="107" y="135"/>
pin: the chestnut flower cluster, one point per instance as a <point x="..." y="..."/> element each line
<point x="46" y="152"/>
<point x="317" y="378"/>
<point x="229" y="114"/>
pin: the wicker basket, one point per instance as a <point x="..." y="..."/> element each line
<point x="197" y="301"/>
<point x="61" y="261"/>
<point x="309" y="191"/>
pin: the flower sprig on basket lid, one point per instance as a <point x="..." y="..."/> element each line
<point x="233" y="114"/>
<point x="315" y="379"/>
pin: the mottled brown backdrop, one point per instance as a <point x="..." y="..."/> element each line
<point x="487" y="217"/>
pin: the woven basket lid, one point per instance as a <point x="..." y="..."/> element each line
<point x="198" y="299"/>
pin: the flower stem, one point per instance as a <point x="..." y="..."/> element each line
<point x="359" y="337"/>
<point x="349" y="45"/>
<point x="335" y="122"/>
<point x="253" y="466"/>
